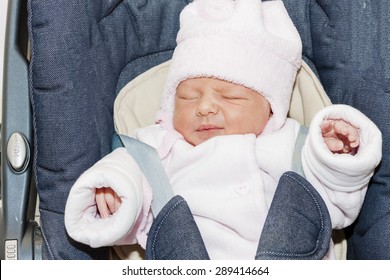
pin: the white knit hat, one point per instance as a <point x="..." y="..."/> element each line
<point x="247" y="42"/>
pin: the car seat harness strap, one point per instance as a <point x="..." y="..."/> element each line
<point x="150" y="164"/>
<point x="296" y="164"/>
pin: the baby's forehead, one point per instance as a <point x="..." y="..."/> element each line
<point x="211" y="82"/>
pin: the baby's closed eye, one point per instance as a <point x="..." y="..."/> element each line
<point x="234" y="96"/>
<point x="188" y="95"/>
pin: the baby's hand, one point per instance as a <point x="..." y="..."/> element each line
<point x="107" y="201"/>
<point x="340" y="136"/>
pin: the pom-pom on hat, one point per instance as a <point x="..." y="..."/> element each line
<point x="248" y="42"/>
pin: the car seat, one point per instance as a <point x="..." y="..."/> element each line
<point x="84" y="52"/>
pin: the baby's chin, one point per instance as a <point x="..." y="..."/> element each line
<point x="199" y="138"/>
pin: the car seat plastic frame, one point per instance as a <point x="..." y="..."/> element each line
<point x="20" y="233"/>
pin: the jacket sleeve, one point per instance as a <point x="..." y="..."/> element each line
<point x="119" y="171"/>
<point x="342" y="179"/>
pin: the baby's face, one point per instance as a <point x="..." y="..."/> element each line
<point x="208" y="107"/>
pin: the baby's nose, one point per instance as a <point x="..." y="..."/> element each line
<point x="207" y="106"/>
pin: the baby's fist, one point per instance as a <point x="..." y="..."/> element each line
<point x="340" y="136"/>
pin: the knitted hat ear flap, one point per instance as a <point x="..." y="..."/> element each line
<point x="246" y="42"/>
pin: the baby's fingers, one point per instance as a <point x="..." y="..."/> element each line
<point x="326" y="127"/>
<point x="101" y="203"/>
<point x="350" y="133"/>
<point x="112" y="199"/>
<point x="334" y="145"/>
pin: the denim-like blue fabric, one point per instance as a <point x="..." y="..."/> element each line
<point x="60" y="245"/>
<point x="81" y="51"/>
<point x="348" y="43"/>
<point x="298" y="225"/>
<point x="174" y="234"/>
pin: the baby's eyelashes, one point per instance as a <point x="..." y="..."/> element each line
<point x="187" y="96"/>
<point x="233" y="97"/>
